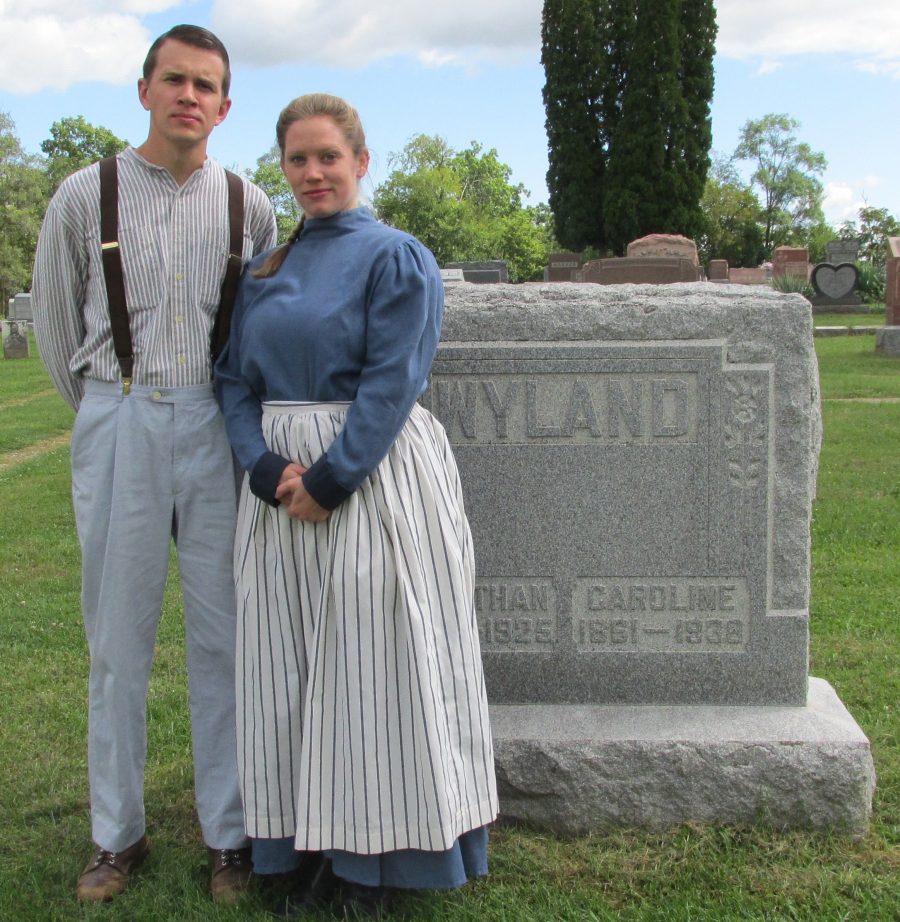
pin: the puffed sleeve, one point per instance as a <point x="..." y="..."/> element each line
<point x="404" y="311"/>
<point x="242" y="409"/>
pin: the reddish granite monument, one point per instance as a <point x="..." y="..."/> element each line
<point x="892" y="286"/>
<point x="657" y="259"/>
<point x="790" y="261"/>
<point x="667" y="245"/>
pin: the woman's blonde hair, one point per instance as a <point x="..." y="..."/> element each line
<point x="303" y="107"/>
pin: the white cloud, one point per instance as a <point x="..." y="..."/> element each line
<point x="843" y="200"/>
<point x="52" y="44"/>
<point x="353" y="33"/>
<point x="775" y="29"/>
<point x="767" y="67"/>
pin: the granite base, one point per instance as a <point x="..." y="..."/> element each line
<point x="575" y="769"/>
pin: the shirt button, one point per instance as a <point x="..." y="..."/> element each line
<point x="182" y="360"/>
<point x="179" y="318"/>
<point x="156" y="395"/>
<point x="179" y="276"/>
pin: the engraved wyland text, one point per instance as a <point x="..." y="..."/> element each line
<point x="589" y="408"/>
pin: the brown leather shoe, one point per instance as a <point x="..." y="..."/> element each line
<point x="106" y="875"/>
<point x="230" y="873"/>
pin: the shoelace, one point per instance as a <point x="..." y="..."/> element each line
<point x="105" y="857"/>
<point x="229" y="856"/>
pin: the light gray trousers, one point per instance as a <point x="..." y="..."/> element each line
<point x="146" y="468"/>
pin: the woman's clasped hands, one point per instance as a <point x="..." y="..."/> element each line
<point x="293" y="494"/>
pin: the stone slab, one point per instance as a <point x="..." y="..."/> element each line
<point x="638" y="465"/>
<point x="452" y="276"/>
<point x="739" y="276"/>
<point x="490" y="271"/>
<point x="574" y="769"/>
<point x="641" y="270"/>
<point x="887" y="341"/>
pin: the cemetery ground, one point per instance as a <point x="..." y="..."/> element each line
<point x="691" y="873"/>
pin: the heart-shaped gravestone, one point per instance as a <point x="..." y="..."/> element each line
<point x="835" y="282"/>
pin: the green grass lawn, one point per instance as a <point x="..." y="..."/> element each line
<point x="874" y="316"/>
<point x="688" y="874"/>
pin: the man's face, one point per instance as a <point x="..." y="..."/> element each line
<point x="184" y="94"/>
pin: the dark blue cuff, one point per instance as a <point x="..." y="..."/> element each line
<point x="322" y="487"/>
<point x="265" y="476"/>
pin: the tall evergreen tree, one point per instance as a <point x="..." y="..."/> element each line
<point x="698" y="47"/>
<point x="627" y="95"/>
<point x="641" y="177"/>
<point x="573" y="98"/>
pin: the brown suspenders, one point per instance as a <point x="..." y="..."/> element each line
<point x="115" y="280"/>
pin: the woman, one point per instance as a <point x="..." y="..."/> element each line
<point x="362" y="716"/>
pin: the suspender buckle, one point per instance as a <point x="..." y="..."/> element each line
<point x="126" y="386"/>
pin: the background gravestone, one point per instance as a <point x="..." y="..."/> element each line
<point x="564" y="266"/>
<point x="835" y="287"/>
<point x="488" y="272"/>
<point x="664" y="245"/>
<point x="640" y="270"/>
<point x="718" y="270"/>
<point x="790" y="261"/>
<point x="841" y="251"/>
<point x="887" y="339"/>
<point x="19" y="308"/>
<point x="15" y="342"/>
<point x="639" y="466"/>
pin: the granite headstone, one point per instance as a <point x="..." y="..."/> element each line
<point x="15" y="343"/>
<point x="841" y="251"/>
<point x="487" y="272"/>
<point x="887" y="339"/>
<point x="664" y="245"/>
<point x="718" y="270"/>
<point x="836" y="282"/>
<point x="20" y="308"/>
<point x="790" y="261"/>
<point x="639" y="466"/>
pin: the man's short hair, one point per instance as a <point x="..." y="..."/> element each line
<point x="196" y="36"/>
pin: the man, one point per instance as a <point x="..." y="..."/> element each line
<point x="150" y="460"/>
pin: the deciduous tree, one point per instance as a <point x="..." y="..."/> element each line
<point x="270" y="179"/>
<point x="731" y="226"/>
<point x="874" y="228"/>
<point x="75" y="143"/>
<point x="23" y="198"/>
<point x="463" y="206"/>
<point x="786" y="172"/>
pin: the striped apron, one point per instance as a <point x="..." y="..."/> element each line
<point x="362" y="714"/>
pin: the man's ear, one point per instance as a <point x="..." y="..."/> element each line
<point x="223" y="110"/>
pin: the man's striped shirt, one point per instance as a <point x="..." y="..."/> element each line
<point x="174" y="244"/>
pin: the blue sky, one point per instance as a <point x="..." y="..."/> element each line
<point x="466" y="70"/>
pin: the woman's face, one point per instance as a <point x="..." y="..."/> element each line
<point x="321" y="168"/>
